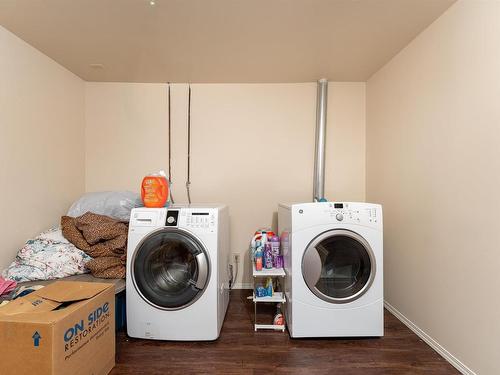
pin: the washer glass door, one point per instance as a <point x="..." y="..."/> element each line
<point x="338" y="266"/>
<point x="170" y="268"/>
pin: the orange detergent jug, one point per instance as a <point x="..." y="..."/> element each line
<point x="154" y="191"/>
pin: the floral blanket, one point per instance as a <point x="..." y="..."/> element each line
<point x="46" y="257"/>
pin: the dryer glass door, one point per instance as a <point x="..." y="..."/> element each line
<point x="338" y="266"/>
<point x="170" y="269"/>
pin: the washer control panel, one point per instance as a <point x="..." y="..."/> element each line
<point x="203" y="220"/>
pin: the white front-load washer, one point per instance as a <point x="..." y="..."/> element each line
<point x="333" y="254"/>
<point x="177" y="272"/>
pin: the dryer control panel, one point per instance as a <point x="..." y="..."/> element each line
<point x="341" y="213"/>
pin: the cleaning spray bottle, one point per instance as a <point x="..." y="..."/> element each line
<point x="259" y="254"/>
<point x="278" y="318"/>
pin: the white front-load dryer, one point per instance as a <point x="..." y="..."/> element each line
<point x="333" y="254"/>
<point x="177" y="272"/>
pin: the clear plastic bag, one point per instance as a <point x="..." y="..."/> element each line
<point x="116" y="204"/>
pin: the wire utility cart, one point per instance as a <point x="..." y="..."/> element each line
<point x="278" y="297"/>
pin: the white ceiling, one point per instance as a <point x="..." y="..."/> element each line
<point x="220" y="40"/>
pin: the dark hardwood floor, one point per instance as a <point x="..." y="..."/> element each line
<point x="240" y="350"/>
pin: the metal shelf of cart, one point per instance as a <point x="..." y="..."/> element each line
<point x="278" y="297"/>
<point x="269" y="272"/>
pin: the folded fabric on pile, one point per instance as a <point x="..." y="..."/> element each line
<point x="102" y="238"/>
<point x="48" y="256"/>
<point x="6" y="286"/>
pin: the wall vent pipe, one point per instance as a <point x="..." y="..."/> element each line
<point x="319" y="156"/>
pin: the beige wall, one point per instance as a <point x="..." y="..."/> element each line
<point x="41" y="142"/>
<point x="252" y="145"/>
<point x="126" y="134"/>
<point x="433" y="161"/>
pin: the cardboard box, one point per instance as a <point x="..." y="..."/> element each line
<point x="67" y="327"/>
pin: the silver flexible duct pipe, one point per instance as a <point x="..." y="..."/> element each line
<point x="319" y="157"/>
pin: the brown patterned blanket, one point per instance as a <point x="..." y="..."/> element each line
<point x="101" y="237"/>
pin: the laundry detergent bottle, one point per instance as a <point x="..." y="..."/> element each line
<point x="154" y="190"/>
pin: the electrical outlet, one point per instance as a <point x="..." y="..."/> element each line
<point x="236" y="257"/>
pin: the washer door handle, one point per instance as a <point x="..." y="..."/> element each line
<point x="311" y="267"/>
<point x="201" y="259"/>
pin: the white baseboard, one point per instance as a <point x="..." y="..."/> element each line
<point x="243" y="286"/>
<point x="454" y="361"/>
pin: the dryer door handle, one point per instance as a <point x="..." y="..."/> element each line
<point x="201" y="259"/>
<point x="311" y="267"/>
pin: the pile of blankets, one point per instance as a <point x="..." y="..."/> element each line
<point x="48" y="256"/>
<point x="102" y="238"/>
